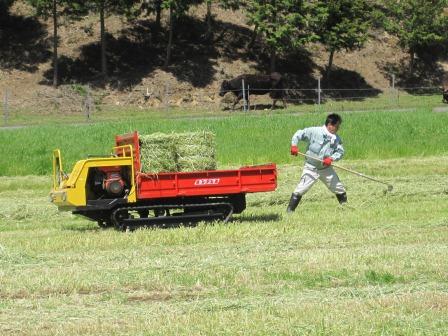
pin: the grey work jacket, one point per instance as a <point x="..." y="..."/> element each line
<point x="321" y="144"/>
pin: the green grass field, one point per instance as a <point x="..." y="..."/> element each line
<point x="376" y="266"/>
<point x="240" y="139"/>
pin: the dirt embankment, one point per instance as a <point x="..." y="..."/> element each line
<point x="135" y="60"/>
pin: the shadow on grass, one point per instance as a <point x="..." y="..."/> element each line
<point x="240" y="219"/>
<point x="81" y="227"/>
<point x="271" y="217"/>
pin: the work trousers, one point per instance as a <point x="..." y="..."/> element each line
<point x="327" y="175"/>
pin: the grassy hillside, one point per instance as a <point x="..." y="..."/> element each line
<point x="240" y="139"/>
<point x="375" y="267"/>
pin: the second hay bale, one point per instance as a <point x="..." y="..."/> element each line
<point x="195" y="151"/>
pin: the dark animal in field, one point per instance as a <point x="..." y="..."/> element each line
<point x="445" y="89"/>
<point x="255" y="85"/>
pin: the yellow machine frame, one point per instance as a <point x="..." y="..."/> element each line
<point x="69" y="191"/>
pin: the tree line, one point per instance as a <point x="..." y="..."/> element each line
<point x="282" y="25"/>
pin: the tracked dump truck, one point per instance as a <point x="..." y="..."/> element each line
<point x="113" y="191"/>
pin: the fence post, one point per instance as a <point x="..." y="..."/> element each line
<point x="166" y="96"/>
<point x="6" y="108"/>
<point x="395" y="96"/>
<point x="248" y="99"/>
<point x="244" y="97"/>
<point x="88" y="104"/>
<point x="318" y="91"/>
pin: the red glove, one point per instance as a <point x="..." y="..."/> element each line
<point x="327" y="161"/>
<point x="294" y="150"/>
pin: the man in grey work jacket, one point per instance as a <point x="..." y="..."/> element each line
<point x="325" y="145"/>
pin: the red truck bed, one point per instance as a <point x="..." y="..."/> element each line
<point x="206" y="183"/>
<point x="201" y="183"/>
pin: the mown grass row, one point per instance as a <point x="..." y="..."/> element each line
<point x="240" y="139"/>
<point x="377" y="266"/>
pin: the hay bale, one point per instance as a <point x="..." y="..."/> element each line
<point x="195" y="151"/>
<point x="157" y="153"/>
<point x="178" y="152"/>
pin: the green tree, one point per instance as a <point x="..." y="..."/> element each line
<point x="281" y="23"/>
<point x="417" y="24"/>
<point x="53" y="8"/>
<point x="176" y="9"/>
<point x="208" y="18"/>
<point x="153" y="6"/>
<point x="103" y="8"/>
<point x="341" y="25"/>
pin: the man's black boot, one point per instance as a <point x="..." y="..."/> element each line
<point x="293" y="202"/>
<point x="342" y="198"/>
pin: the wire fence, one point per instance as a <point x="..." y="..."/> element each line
<point x="76" y="103"/>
